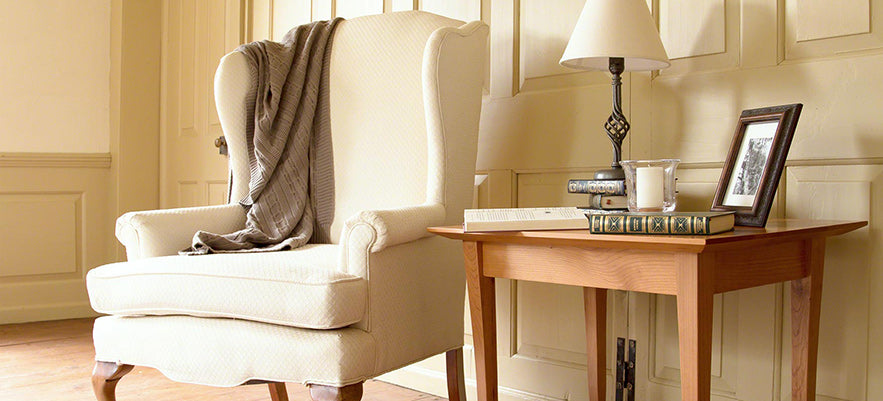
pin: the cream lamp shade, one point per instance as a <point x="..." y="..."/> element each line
<point x="615" y="29"/>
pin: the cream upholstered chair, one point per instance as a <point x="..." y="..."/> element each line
<point x="405" y="104"/>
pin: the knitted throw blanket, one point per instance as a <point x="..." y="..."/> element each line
<point x="291" y="187"/>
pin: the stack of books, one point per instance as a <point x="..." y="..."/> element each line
<point x="598" y="221"/>
<point x="603" y="194"/>
<point x="670" y="223"/>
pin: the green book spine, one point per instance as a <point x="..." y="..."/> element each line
<point x="624" y="224"/>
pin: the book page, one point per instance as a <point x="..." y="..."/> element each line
<point x="522" y="214"/>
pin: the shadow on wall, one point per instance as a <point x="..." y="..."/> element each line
<point x="695" y="113"/>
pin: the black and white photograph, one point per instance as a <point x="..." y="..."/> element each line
<point x="753" y="156"/>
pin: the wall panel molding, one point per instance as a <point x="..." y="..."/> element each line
<point x="703" y="39"/>
<point x="819" y="28"/>
<point x="40" y="233"/>
<point x="57" y="223"/>
<point x="663" y="345"/>
<point x="692" y="29"/>
<point x="541" y="33"/>
<point x="60" y="160"/>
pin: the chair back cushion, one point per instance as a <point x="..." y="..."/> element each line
<point x="404" y="114"/>
<point x="378" y="121"/>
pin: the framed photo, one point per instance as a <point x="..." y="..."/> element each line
<point x="755" y="162"/>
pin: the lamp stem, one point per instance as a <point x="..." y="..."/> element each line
<point x="617" y="126"/>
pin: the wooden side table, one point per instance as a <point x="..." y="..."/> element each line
<point x="693" y="268"/>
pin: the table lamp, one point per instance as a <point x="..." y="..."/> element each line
<point x="615" y="35"/>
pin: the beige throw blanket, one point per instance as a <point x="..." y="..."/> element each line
<point x="291" y="188"/>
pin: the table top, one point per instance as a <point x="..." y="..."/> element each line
<point x="775" y="230"/>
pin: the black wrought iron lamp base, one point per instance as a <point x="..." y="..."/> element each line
<point x="617" y="126"/>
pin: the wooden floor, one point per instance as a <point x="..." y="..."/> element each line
<point x="51" y="361"/>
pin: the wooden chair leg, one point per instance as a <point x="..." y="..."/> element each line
<point x="456" y="380"/>
<point x="353" y="392"/>
<point x="105" y="377"/>
<point x="278" y="392"/>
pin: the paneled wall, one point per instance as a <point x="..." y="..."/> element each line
<point x="54" y="227"/>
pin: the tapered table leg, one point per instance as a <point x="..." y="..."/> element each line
<point x="596" y="341"/>
<point x="482" y="308"/>
<point x="695" y="313"/>
<point x="806" y="304"/>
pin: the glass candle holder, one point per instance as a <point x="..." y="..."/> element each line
<point x="650" y="184"/>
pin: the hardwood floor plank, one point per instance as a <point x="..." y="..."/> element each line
<point x="52" y="361"/>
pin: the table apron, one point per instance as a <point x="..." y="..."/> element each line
<point x="619" y="269"/>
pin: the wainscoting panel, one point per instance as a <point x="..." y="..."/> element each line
<point x="30" y="246"/>
<point x="542" y="33"/>
<point x="692" y="29"/>
<point x="356" y="8"/>
<point x="469" y="10"/>
<point x="553" y="338"/>
<point x="55" y="225"/>
<point x="819" y="28"/>
<point x="851" y="279"/>
<point x="663" y="350"/>
<point x="700" y="35"/>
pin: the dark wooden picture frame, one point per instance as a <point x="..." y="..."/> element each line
<point x="755" y="162"/>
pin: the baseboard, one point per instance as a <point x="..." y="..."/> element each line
<point x="435" y="382"/>
<point x="39" y="313"/>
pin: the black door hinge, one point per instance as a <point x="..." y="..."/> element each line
<point x="625" y="370"/>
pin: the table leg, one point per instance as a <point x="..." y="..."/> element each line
<point x="596" y="341"/>
<point x="806" y="303"/>
<point x="695" y="313"/>
<point x="482" y="308"/>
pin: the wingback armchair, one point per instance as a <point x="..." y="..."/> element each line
<point x="405" y="99"/>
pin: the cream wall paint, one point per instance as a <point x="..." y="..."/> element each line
<point x="67" y="183"/>
<point x="54" y="73"/>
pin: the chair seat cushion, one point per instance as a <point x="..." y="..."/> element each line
<point x="299" y="288"/>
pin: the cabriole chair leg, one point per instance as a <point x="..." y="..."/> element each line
<point x="105" y="377"/>
<point x="353" y="392"/>
<point x="456" y="380"/>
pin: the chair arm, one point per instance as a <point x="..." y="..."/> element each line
<point x="391" y="226"/>
<point x="165" y="232"/>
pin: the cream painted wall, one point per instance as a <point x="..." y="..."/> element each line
<point x="81" y="149"/>
<point x="54" y="76"/>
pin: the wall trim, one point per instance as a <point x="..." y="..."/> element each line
<point x="62" y="160"/>
<point x="858" y="161"/>
<point x="41" y="313"/>
<point x="435" y="382"/>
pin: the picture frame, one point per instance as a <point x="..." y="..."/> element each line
<point x="755" y="162"/>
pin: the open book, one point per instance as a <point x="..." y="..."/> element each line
<point x="516" y="219"/>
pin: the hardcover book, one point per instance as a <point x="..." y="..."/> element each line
<point x="516" y="219"/>
<point x="601" y="187"/>
<point x="677" y="223"/>
<point x="609" y="202"/>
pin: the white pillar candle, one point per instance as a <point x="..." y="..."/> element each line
<point x="648" y="187"/>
